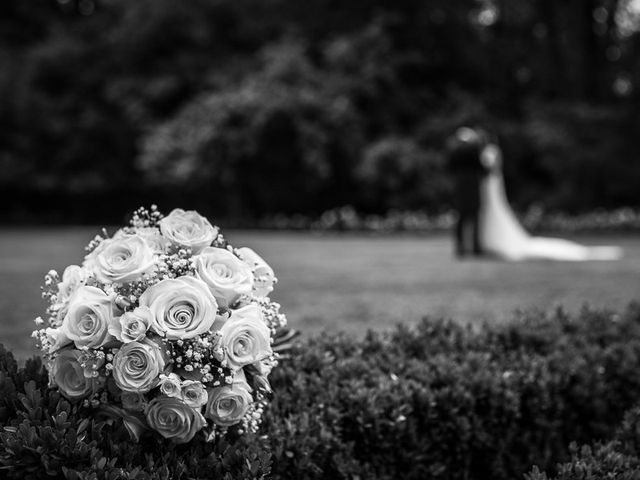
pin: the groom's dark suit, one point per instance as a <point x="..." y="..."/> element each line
<point x="467" y="170"/>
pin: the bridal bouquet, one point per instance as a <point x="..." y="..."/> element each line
<point x="166" y="326"/>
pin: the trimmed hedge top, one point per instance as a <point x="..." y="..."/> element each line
<point x="434" y="401"/>
<point x="442" y="401"/>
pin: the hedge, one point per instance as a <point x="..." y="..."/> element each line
<point x="442" y="401"/>
<point x="434" y="401"/>
<point x="617" y="459"/>
<point x="46" y="437"/>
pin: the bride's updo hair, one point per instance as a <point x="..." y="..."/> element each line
<point x="491" y="157"/>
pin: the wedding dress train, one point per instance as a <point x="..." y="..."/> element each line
<point x="502" y="235"/>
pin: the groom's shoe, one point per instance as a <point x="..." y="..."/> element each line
<point x="460" y="253"/>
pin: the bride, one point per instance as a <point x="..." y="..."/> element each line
<point x="502" y="235"/>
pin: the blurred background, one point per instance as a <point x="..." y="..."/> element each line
<point x="322" y="115"/>
<point x="247" y="110"/>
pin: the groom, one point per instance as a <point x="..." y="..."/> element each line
<point x="467" y="171"/>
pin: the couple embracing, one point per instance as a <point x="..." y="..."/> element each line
<point x="486" y="223"/>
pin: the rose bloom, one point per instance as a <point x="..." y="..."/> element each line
<point x="194" y="394"/>
<point x="137" y="366"/>
<point x="57" y="339"/>
<point x="151" y="235"/>
<point x="229" y="404"/>
<point x="132" y="326"/>
<point x="246" y="339"/>
<point x="173" y="419"/>
<point x="88" y="318"/>
<point x="263" y="273"/>
<point x="188" y="229"/>
<point x="72" y="278"/>
<point x="227" y="276"/>
<point x="67" y="374"/>
<point x="170" y="385"/>
<point x="121" y="259"/>
<point x="182" y="307"/>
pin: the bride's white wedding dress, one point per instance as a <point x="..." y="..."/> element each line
<point x="502" y="235"/>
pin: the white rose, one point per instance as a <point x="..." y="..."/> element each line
<point x="188" y="229"/>
<point x="246" y="339"/>
<point x="229" y="404"/>
<point x="72" y="278"/>
<point x="69" y="376"/>
<point x="194" y="394"/>
<point x="57" y="339"/>
<point x="170" y="385"/>
<point x="151" y="235"/>
<point x="88" y="318"/>
<point x="227" y="276"/>
<point x="263" y="273"/>
<point x="122" y="259"/>
<point x="173" y="419"/>
<point x="182" y="307"/>
<point x="132" y="326"/>
<point x="137" y="366"/>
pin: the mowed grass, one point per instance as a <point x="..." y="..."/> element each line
<point x="349" y="282"/>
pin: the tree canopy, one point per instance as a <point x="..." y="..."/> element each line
<point x="259" y="107"/>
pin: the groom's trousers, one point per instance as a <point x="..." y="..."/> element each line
<point x="468" y="228"/>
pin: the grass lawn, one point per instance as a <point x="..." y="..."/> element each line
<point x="349" y="282"/>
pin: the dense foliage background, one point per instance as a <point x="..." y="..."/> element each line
<point x="252" y="108"/>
